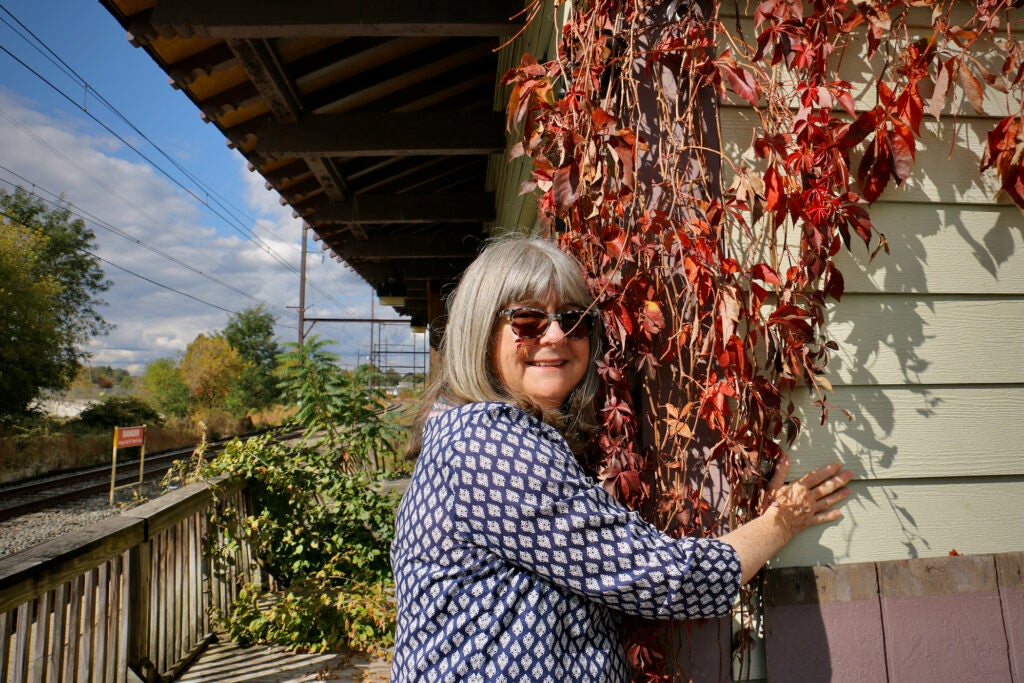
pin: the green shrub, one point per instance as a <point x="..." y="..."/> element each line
<point x="117" y="411"/>
<point x="319" y="523"/>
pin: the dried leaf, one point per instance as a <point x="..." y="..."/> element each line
<point x="972" y="89"/>
<point x="822" y="382"/>
<point x="902" y="156"/>
<point x="943" y="79"/>
<point x="565" y="183"/>
<point x="653" y="318"/>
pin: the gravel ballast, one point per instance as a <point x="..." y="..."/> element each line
<point x="25" y="531"/>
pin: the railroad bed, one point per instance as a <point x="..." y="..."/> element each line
<point x="39" y="509"/>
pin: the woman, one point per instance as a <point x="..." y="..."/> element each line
<point x="511" y="564"/>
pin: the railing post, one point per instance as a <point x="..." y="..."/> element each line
<point x="140" y="584"/>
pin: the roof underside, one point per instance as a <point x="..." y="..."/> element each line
<point x="372" y="120"/>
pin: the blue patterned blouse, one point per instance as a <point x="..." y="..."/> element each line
<point x="511" y="563"/>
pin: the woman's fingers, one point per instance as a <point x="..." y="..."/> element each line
<point x="777" y="478"/>
<point x="816" y="477"/>
<point x="827" y="501"/>
<point x="808" y="501"/>
<point x="825" y="517"/>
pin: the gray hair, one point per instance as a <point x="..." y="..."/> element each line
<point x="511" y="268"/>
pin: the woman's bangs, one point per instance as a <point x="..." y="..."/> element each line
<point x="540" y="277"/>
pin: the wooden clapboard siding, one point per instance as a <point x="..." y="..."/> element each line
<point x="892" y="520"/>
<point x="940" y="249"/>
<point x="911" y="339"/>
<point x="505" y="175"/>
<point x="931" y="359"/>
<point x="931" y="366"/>
<point x="856" y="69"/>
<point x="911" y="432"/>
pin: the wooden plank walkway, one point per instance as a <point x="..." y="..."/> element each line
<point x="227" y="662"/>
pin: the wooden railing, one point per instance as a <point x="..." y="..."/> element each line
<point x="126" y="599"/>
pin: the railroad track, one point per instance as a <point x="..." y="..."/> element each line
<point x="28" y="496"/>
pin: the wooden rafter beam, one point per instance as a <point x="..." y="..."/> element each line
<point x="266" y="71"/>
<point x="325" y="172"/>
<point x="454" y="207"/>
<point x="402" y="247"/>
<point x="275" y="19"/>
<point x="385" y="134"/>
<point x="441" y="270"/>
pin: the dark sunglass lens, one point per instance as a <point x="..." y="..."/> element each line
<point x="576" y="324"/>
<point x="529" y="324"/>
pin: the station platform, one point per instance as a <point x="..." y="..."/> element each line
<point x="226" y="662"/>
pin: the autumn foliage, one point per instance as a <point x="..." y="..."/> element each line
<point x="714" y="271"/>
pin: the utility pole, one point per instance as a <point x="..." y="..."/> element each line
<point x="373" y="316"/>
<point x="302" y="285"/>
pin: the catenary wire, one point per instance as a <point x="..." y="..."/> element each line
<point x="86" y="216"/>
<point x="68" y="70"/>
<point x="229" y="221"/>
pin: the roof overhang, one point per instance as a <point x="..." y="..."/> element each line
<point x="372" y="120"/>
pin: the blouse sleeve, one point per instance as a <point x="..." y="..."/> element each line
<point x="517" y="491"/>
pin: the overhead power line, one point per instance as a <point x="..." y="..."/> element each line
<point x="143" y="277"/>
<point x="88" y="217"/>
<point x="40" y="46"/>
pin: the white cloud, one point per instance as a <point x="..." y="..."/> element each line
<point x="121" y="193"/>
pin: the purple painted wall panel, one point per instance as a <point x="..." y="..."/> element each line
<point x="824" y="624"/>
<point x="943" y="620"/>
<point x="834" y="641"/>
<point x="945" y="638"/>
<point x="939" y="619"/>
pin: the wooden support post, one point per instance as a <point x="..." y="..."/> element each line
<point x="139" y="586"/>
<point x="113" y="468"/>
<point x="142" y="460"/>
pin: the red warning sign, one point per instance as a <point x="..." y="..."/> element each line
<point x="127" y="437"/>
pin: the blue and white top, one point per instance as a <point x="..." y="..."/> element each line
<point x="510" y="562"/>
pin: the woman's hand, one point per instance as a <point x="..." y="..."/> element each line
<point x="790" y="509"/>
<point x="807" y="501"/>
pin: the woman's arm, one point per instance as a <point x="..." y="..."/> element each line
<point x="804" y="503"/>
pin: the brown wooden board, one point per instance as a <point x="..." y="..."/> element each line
<point x="703" y="649"/>
<point x="1010" y="577"/>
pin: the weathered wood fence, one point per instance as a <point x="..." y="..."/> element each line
<point x="126" y="599"/>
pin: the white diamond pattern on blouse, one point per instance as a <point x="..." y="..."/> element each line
<point x="509" y="560"/>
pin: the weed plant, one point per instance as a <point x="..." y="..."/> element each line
<point x="319" y="524"/>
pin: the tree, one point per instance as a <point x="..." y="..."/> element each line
<point x="60" y="255"/>
<point x="251" y="333"/>
<point x="211" y="369"/>
<point x="30" y="352"/>
<point x="343" y="412"/>
<point x="166" y="387"/>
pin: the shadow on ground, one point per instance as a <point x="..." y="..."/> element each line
<point x="228" y="662"/>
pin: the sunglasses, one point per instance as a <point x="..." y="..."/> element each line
<point x="532" y="323"/>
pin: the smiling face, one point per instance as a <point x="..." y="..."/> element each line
<point x="544" y="370"/>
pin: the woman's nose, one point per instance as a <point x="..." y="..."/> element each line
<point x="553" y="335"/>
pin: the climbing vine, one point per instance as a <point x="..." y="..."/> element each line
<point x="712" y="258"/>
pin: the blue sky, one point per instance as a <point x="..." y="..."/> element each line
<point x="209" y="229"/>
